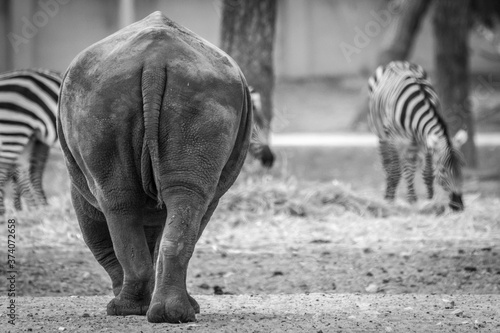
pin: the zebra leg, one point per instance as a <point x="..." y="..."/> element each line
<point x="23" y="186"/>
<point x="392" y="167"/>
<point x="5" y="174"/>
<point x="38" y="162"/>
<point x="428" y="175"/>
<point x="17" y="190"/>
<point x="409" y="168"/>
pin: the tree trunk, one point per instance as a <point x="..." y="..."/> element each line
<point x="6" y="49"/>
<point x="398" y="41"/>
<point x="451" y="28"/>
<point x="247" y="35"/>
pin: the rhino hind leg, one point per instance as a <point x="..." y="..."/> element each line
<point x="132" y="251"/>
<point x="153" y="236"/>
<point x="96" y="235"/>
<point x="171" y="302"/>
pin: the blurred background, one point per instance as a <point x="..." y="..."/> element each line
<point x="308" y="38"/>
<point x="309" y="59"/>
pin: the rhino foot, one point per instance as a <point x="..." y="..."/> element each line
<point x="120" y="307"/>
<point x="172" y="310"/>
<point x="194" y="304"/>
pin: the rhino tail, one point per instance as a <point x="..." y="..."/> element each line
<point x="153" y="88"/>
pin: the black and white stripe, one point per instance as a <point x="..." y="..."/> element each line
<point x="259" y="145"/>
<point x="405" y="115"/>
<point x="28" y="105"/>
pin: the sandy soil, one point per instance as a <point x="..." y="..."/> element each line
<point x="273" y="313"/>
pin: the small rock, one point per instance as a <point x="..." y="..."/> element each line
<point x="218" y="290"/>
<point x="448" y="304"/>
<point x="372" y="288"/>
<point x="204" y="286"/>
<point x="61" y="329"/>
<point x="277" y="273"/>
<point x="478" y="325"/>
<point x="405" y="255"/>
<point x="457" y="312"/>
<point x="85" y="315"/>
<point x="470" y="268"/>
<point x="320" y="241"/>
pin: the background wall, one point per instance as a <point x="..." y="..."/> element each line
<point x="310" y="39"/>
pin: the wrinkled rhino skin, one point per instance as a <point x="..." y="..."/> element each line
<point x="154" y="124"/>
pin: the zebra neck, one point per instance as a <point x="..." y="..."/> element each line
<point x="446" y="156"/>
<point x="438" y="143"/>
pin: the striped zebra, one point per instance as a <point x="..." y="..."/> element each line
<point x="405" y="115"/>
<point x="28" y="104"/>
<point x="259" y="145"/>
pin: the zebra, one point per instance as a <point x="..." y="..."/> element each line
<point x="259" y="145"/>
<point x="405" y="115"/>
<point x="28" y="105"/>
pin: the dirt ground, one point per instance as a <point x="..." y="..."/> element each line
<point x="412" y="266"/>
<point x="317" y="313"/>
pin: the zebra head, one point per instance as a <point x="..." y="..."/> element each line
<point x="259" y="143"/>
<point x="449" y="169"/>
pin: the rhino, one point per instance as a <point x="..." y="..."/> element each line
<point x="154" y="124"/>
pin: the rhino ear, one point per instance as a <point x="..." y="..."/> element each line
<point x="460" y="138"/>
